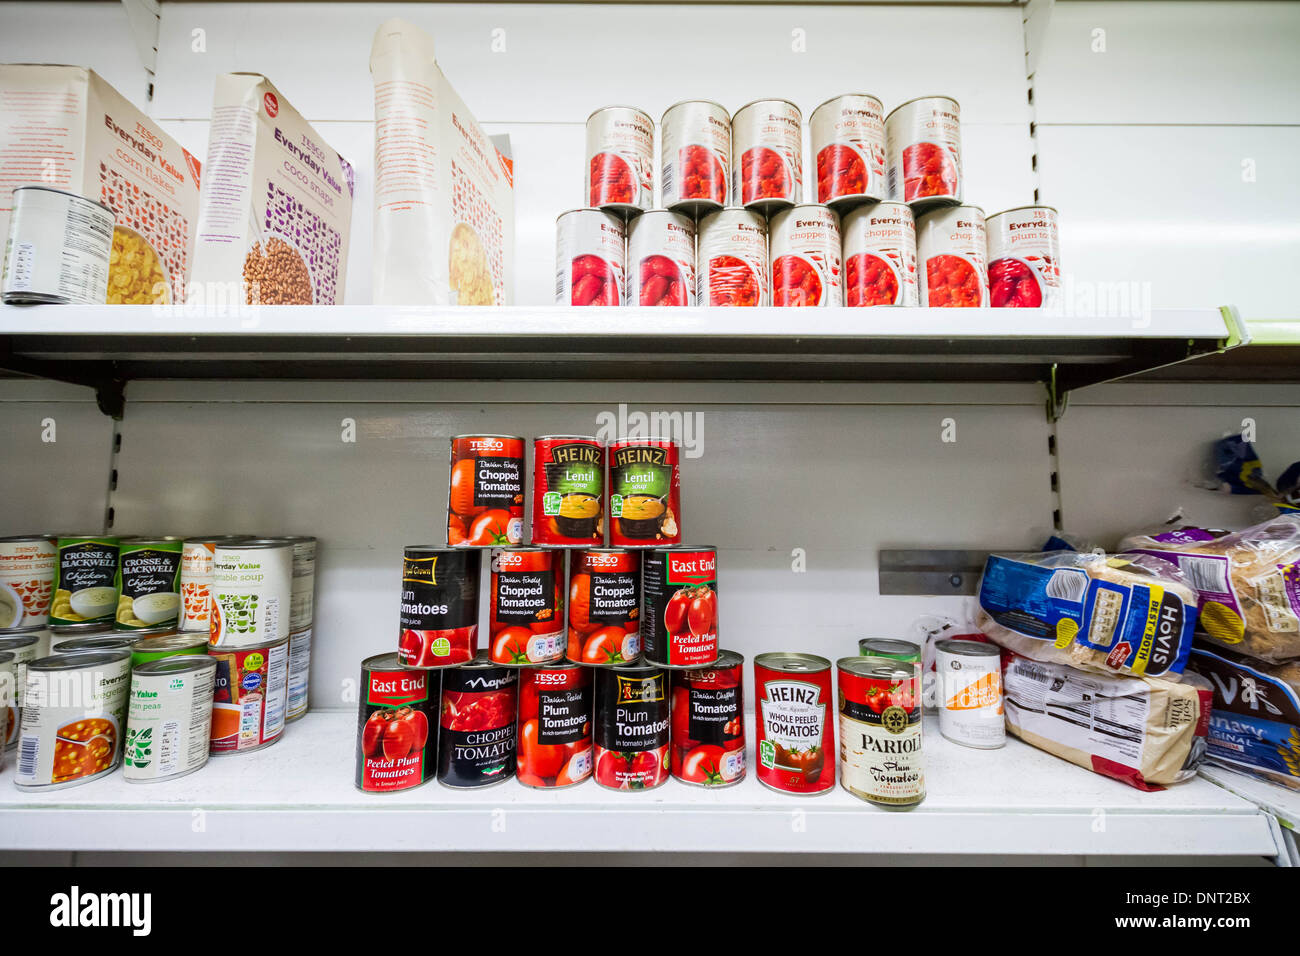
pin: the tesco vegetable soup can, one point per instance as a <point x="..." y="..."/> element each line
<point x="252" y="582"/>
<point x="804" y="248"/>
<point x="568" y="491"/>
<point x="923" y="151"/>
<point x="679" y="620"/>
<point x="1024" y="256"/>
<point x="880" y="256"/>
<point x="485" y="495"/>
<point x="767" y="155"/>
<point x="555" y="724"/>
<point x="695" y="157"/>
<point x="477" y="740"/>
<point x="795" y="724"/>
<point x="632" y="727"/>
<point x="880" y="731"/>
<point x="848" y="146"/>
<point x="731" y="259"/>
<point x="526" y="616"/>
<point x="397" y="725"/>
<point x="951" y="251"/>
<point x="620" y="159"/>
<point x="661" y="259"/>
<point x="590" y="258"/>
<point x="644" y="486"/>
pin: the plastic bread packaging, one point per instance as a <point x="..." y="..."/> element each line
<point x="1147" y="732"/>
<point x="1129" y="615"/>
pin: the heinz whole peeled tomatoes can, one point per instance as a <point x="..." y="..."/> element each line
<point x="731" y="259"/>
<point x="396" y="725"/>
<point x="568" y="491"/>
<point x="708" y="723"/>
<point x="695" y="156"/>
<point x="476" y="743"/>
<point x="631" y="727"/>
<point x="644" y="493"/>
<point x="804" y="246"/>
<point x="951" y="249"/>
<point x="485" y="502"/>
<point x="679" y="623"/>
<point x="527" y="615"/>
<point x="620" y="159"/>
<point x="848" y="145"/>
<point x="555" y="726"/>
<point x="880" y="256"/>
<point x="661" y="259"/>
<point x="438" y="620"/>
<point x="767" y="154"/>
<point x="795" y="723"/>
<point x="590" y="258"/>
<point x="605" y="606"/>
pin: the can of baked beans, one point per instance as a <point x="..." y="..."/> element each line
<point x="903" y="651"/>
<point x="145" y="650"/>
<point x="695" y="156"/>
<point x="149" y="583"/>
<point x="661" y="259"/>
<point x="27" y="566"/>
<point x="923" y="151"/>
<point x="679" y="620"/>
<point x="767" y="155"/>
<point x="485" y="500"/>
<point x="58" y="248"/>
<point x="951" y="249"/>
<point x="302" y="591"/>
<point x="970" y="693"/>
<point x="644" y="486"/>
<point x="568" y="491"/>
<point x="880" y="256"/>
<point x="477" y="742"/>
<point x="438" y="619"/>
<point x="590" y="258"/>
<point x="25" y="646"/>
<point x="251" y="696"/>
<point x="708" y="723"/>
<point x="1024" y="256"/>
<point x="880" y="731"/>
<point x="196" y="581"/>
<point x="804" y="248"/>
<point x="252" y="581"/>
<point x="795" y="727"/>
<point x="85" y="583"/>
<point x="632" y="727"/>
<point x="620" y="159"/>
<point x="168" y="718"/>
<point x="604" y="607"/>
<point x="397" y="721"/>
<point x="555" y="719"/>
<point x="731" y="262"/>
<point x="526" y="620"/>
<point x="848" y="144"/>
<point x="299" y="674"/>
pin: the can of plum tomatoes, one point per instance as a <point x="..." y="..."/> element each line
<point x="880" y="731"/>
<point x="951" y="249"/>
<point x="27" y="567"/>
<point x="970" y="693"/>
<point x="708" y="723"/>
<point x="923" y="151"/>
<point x="251" y="696"/>
<point x="767" y="154"/>
<point x="620" y="159"/>
<point x="590" y="258"/>
<point x="795" y="727"/>
<point x="695" y="156"/>
<point x="880" y="256"/>
<point x="1024" y="256"/>
<point x="632" y="727"/>
<point x="804" y="246"/>
<point x="848" y="144"/>
<point x="731" y="262"/>
<point x="485" y="501"/>
<point x="555" y="746"/>
<point x="526" y="621"/>
<point x="438" y="621"/>
<point x="396" y="725"/>
<point x="568" y="491"/>
<point x="661" y="259"/>
<point x="605" y="607"/>
<point x="477" y="742"/>
<point x="679" y="626"/>
<point x="644" y="493"/>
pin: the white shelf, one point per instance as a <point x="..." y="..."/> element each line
<point x="1281" y="802"/>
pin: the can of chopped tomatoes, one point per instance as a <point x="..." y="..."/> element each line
<point x="526" y="620"/>
<point x="568" y="491"/>
<point x="620" y="159"/>
<point x="604" y="606"/>
<point x="708" y="723"/>
<point x="880" y="731"/>
<point x="1024" y="256"/>
<point x="644" y="493"/>
<point x="631" y="727"/>
<point x="848" y="144"/>
<point x="555" y="719"/>
<point x="923" y="151"/>
<point x="880" y="256"/>
<point x="485" y="502"/>
<point x="438" y="620"/>
<point x="661" y="259"/>
<point x="695" y="156"/>
<point x="804" y="248"/>
<point x="767" y="155"/>
<point x="396" y="725"/>
<point x="795" y="727"/>
<point x="731" y="259"/>
<point x="476" y="745"/>
<point x="951" y="249"/>
<point x="679" y="621"/>
<point x="590" y="258"/>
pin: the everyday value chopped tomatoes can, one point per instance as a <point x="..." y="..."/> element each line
<point x="804" y="248"/>
<point x="848" y="146"/>
<point x="477" y="739"/>
<point x="632" y="727"/>
<point x="731" y="259"/>
<point x="880" y="731"/>
<point x="661" y="259"/>
<point x="485" y="497"/>
<point x="951" y="250"/>
<point x="923" y="151"/>
<point x="695" y="156"/>
<point x="679" y="621"/>
<point x="568" y="491"/>
<point x="794" y="723"/>
<point x="526" y="619"/>
<point x="620" y="159"/>
<point x="767" y="155"/>
<point x="397" y="725"/>
<point x="604" y="607"/>
<point x="708" y="723"/>
<point x="590" y="258"/>
<point x="555" y="722"/>
<point x="1024" y="256"/>
<point x="438" y="619"/>
<point x="880" y="256"/>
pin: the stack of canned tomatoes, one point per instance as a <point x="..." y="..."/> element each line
<point x="734" y="227"/>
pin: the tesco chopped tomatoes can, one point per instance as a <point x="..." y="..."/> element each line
<point x="397" y="725"/>
<point x="951" y="250"/>
<point x="848" y="146"/>
<point x="923" y="151"/>
<point x="477" y="736"/>
<point x="661" y="259"/>
<point x="590" y="258"/>
<point x="708" y="723"/>
<point x="526" y="620"/>
<point x="555" y="726"/>
<point x="767" y="155"/>
<point x="880" y="256"/>
<point x="695" y="156"/>
<point x="795" y="724"/>
<point x="632" y="727"/>
<point x="438" y="617"/>
<point x="620" y="159"/>
<point x="485" y="497"/>
<point x="731" y="259"/>
<point x="805" y="250"/>
<point x="880" y="731"/>
<point x="679" y="621"/>
<point x="1024" y="256"/>
<point x="568" y="491"/>
<point x="604" y="607"/>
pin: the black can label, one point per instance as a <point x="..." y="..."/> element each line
<point x="477" y="744"/>
<point x="86" y="587"/>
<point x="438" y="619"/>
<point x="632" y="712"/>
<point x="149" y="585"/>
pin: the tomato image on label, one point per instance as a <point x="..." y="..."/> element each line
<point x="661" y="282"/>
<point x="928" y="170"/>
<point x="952" y="282"/>
<point x="1014" y="284"/>
<point x="594" y="282"/>
<point x="611" y="180"/>
<point x="869" y="280"/>
<point x="732" y="282"/>
<point x="763" y="175"/>
<point x="795" y="282"/>
<point x="702" y="176"/>
<point x="478" y="719"/>
<point x="840" y="172"/>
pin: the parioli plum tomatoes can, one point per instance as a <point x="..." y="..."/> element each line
<point x="679" y="623"/>
<point x="644" y="493"/>
<point x="731" y="259"/>
<point x="485" y="501"/>
<point x="397" y="725"/>
<point x="923" y="151"/>
<point x="767" y="154"/>
<point x="632" y="732"/>
<point x="695" y="156"/>
<point x="476" y="743"/>
<point x="1024" y="256"/>
<point x="708" y="723"/>
<point x="438" y="619"/>
<point x="880" y="256"/>
<point x="604" y="607"/>
<point x="795" y="724"/>
<point x="555" y="720"/>
<point x="568" y="491"/>
<point x="590" y="258"/>
<point x="620" y="159"/>
<point x="848" y="145"/>
<point x="804" y="249"/>
<point x="661" y="259"/>
<point x="880" y="731"/>
<point x="951" y="249"/>
<point x="526" y="620"/>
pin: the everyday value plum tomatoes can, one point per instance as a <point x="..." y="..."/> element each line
<point x="661" y="259"/>
<point x="438" y="620"/>
<point x="695" y="156"/>
<point x="251" y="697"/>
<point x="604" y="607"/>
<point x="679" y="623"/>
<point x="632" y="727"/>
<point x="951" y="250"/>
<point x="1024" y="256"/>
<point x="397" y="725"/>
<point x="590" y="258"/>
<point x="880" y="256"/>
<point x="620" y="159"/>
<point x="767" y="155"/>
<point x="795" y="725"/>
<point x="477" y="740"/>
<point x="644" y="493"/>
<point x="923" y="151"/>
<point x="555" y="717"/>
<point x="708" y="723"/>
<point x="848" y="145"/>
<point x="485" y="499"/>
<point x="526" y="620"/>
<point x="804" y="249"/>
<point x="568" y="491"/>
<point x="880" y="731"/>
<point x="731" y="259"/>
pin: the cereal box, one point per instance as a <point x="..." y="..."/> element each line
<point x="276" y="207"/>
<point x="64" y="127"/>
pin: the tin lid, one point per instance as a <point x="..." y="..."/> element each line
<point x="881" y="668"/>
<point x="155" y="632"/>
<point x="258" y="544"/>
<point x="213" y="538"/>
<point x="151" y="538"/>
<point x="889" y="646"/>
<point x="869" y="96"/>
<point x="171" y="641"/>
<point x="698" y="103"/>
<point x="300" y="538"/>
<point x="218" y="650"/>
<point x="726" y="658"/>
<point x="388" y="662"/>
<point x="24" y="538"/>
<point x="917" y="99"/>
<point x="95" y="642"/>
<point x="967" y="648"/>
<point x="619" y="106"/>
<point x="768" y="99"/>
<point x="633" y="669"/>
<point x="652" y="441"/>
<point x="1035" y="205"/>
<point x="590" y="438"/>
<point x="792" y="662"/>
<point x="570" y="212"/>
<point x="488" y="434"/>
<point x="661" y="214"/>
<point x="176" y="665"/>
<point x="941" y="210"/>
<point x="64" y="192"/>
<point x="433" y="549"/>
<point x="12" y="639"/>
<point x="79" y="660"/>
<point x="99" y="538"/>
<point x="733" y="212"/>
<point x="685" y="547"/>
<point x="7" y="657"/>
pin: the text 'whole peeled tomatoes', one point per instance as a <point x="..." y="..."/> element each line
<point x="951" y="250"/>
<point x="661" y="257"/>
<point x="590" y="258"/>
<point x="731" y="259"/>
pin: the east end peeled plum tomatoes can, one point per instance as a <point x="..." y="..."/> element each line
<point x="731" y="259"/>
<point x="555" y="726"/>
<point x="795" y="723"/>
<point x="679" y="621"/>
<point x="848" y="146"/>
<point x="1024" y="257"/>
<point x="632" y="727"/>
<point x="477" y="742"/>
<point x="880" y="731"/>
<point x="568" y="491"/>
<point x="708" y="723"/>
<point x="590" y="258"/>
<point x="644" y="493"/>
<point x="605" y="607"/>
<point x="880" y="256"/>
<point x="804" y="247"/>
<point x="620" y="159"/>
<point x="695" y="156"/>
<point x="951" y="253"/>
<point x="767" y="154"/>
<point x="397" y="730"/>
<point x="438" y="620"/>
<point x="526" y="619"/>
<point x="485" y="498"/>
<point x="923" y="151"/>
<point x="661" y="259"/>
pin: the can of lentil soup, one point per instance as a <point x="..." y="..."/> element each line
<point x="555" y="717"/>
<point x="708" y="723"/>
<point x="880" y="256"/>
<point x="970" y="689"/>
<point x="590" y="258"/>
<point x="731" y="264"/>
<point x="147" y="649"/>
<point x="168" y="718"/>
<point x="252" y="691"/>
<point x="644" y="492"/>
<point x="27" y="568"/>
<point x="149" y="583"/>
<point x="397" y="725"/>
<point x="477" y="739"/>
<point x="604" y="607"/>
<point x="85" y="585"/>
<point x="923" y="151"/>
<point x="485" y="497"/>
<point x="438" y="618"/>
<point x="880" y="731"/>
<point x="631" y="727"/>
<point x="620" y="159"/>
<point x="526" y="618"/>
<point x="767" y="155"/>
<point x="58" y="248"/>
<point x="848" y="145"/>
<point x="795" y="727"/>
<point x="252" y="580"/>
<point x="952" y="247"/>
<point x="1024" y="256"/>
<point x="661" y="259"/>
<point x="695" y="156"/>
<point x="804" y="247"/>
<point x="568" y="491"/>
<point x="679" y="620"/>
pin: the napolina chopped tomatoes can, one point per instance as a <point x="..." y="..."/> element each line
<point x="477" y="740"/>
<point x="767" y="154"/>
<point x="805" y="249"/>
<point x="604" y="607"/>
<point x="695" y="156"/>
<point x="923" y="151"/>
<point x="951" y="250"/>
<point x="1024" y="256"/>
<point x="731" y="259"/>
<point x="620" y="159"/>
<point x="679" y="623"/>
<point x="397" y="725"/>
<point x="708" y="723"/>
<point x="590" y="258"/>
<point x="795" y="723"/>
<point x="555" y="718"/>
<point x="661" y="259"/>
<point x="568" y="491"/>
<point x="848" y="145"/>
<point x="644" y="493"/>
<point x="485" y="500"/>
<point x="526" y="620"/>
<point x="880" y="256"/>
<point x="438" y="619"/>
<point x="631" y="728"/>
<point x="880" y="731"/>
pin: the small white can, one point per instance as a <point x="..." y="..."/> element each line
<point x="661" y="259"/>
<point x="25" y="646"/>
<point x="1024" y="256"/>
<point x="620" y="159"/>
<point x="923" y="151"/>
<point x="299" y="673"/>
<point x="168" y="718"/>
<point x="848" y="146"/>
<point x="695" y="156"/>
<point x="767" y="155"/>
<point x="951" y="247"/>
<point x="27" y="566"/>
<point x="731" y="259"/>
<point x="970" y="693"/>
<point x="302" y="594"/>
<point x="252" y="581"/>
<point x="58" y="249"/>
<point x="590" y="258"/>
<point x="804" y="257"/>
<point x="196" y="581"/>
<point x="880" y="256"/>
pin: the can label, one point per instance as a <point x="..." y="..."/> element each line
<point x="795" y="731"/>
<point x="620" y="159"/>
<point x="590" y="258"/>
<point x="24" y="648"/>
<point x="632" y="732"/>
<point x="568" y="491"/>
<point x="767" y="150"/>
<point x="527" y="615"/>
<point x="149" y="585"/>
<point x="644" y="493"/>
<point x="438" y="621"/>
<point x="168" y="724"/>
<point x="732" y="261"/>
<point x="661" y="259"/>
<point x="477" y="744"/>
<point x="396" y="742"/>
<point x="804" y="246"/>
<point x="880" y="256"/>
<point x="880" y="739"/>
<point x="250" y="596"/>
<point x="951" y="246"/>
<point x="555" y="744"/>
<point x="250" y="697"/>
<point x="680" y="625"/>
<point x="302" y="591"/>
<point x="970" y="708"/>
<point x="708" y="733"/>
<point x="848" y="141"/>
<point x="196" y="585"/>
<point x="72" y="723"/>
<point x="27" y="569"/>
<point x="1024" y="257"/>
<point x="299" y="673"/>
<point x="923" y="151"/>
<point x="58" y="249"/>
<point x="695" y="156"/>
<point x="485" y="500"/>
<point x="85" y="589"/>
<point x="605" y="607"/>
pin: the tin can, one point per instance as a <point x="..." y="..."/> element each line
<point x="168" y="718"/>
<point x="631" y="727"/>
<point x="252" y="692"/>
<point x="302" y="589"/>
<point x="679" y="620"/>
<point x="880" y="731"/>
<point x="58" y="248"/>
<point x="970" y="688"/>
<point x="10" y="695"/>
<point x="880" y="256"/>
<point x="951" y="251"/>
<point x="92" y="642"/>
<point x="397" y="725"/>
<point x="645" y="507"/>
<point x="144" y="650"/>
<point x="477" y="742"/>
<point x="299" y="673"/>
<point x="438" y="620"/>
<point x="555" y="744"/>
<point x="25" y="646"/>
<point x="85" y="583"/>
<point x="604" y="607"/>
<point x="27" y="568"/>
<point x="1024" y="256"/>
<point x="848" y="144"/>
<point x="695" y="156"/>
<point x="620" y="159"/>
<point x="804" y="249"/>
<point x="708" y="723"/>
<point x="149" y="583"/>
<point x="661" y="259"/>
<point x="923" y="151"/>
<point x="74" y="708"/>
<point x="568" y="491"/>
<point x="196" y="581"/>
<point x="767" y="155"/>
<point x="251" y="584"/>
<point x="485" y="498"/>
<point x="903" y="651"/>
<point x="590" y="258"/>
<point x="795" y="727"/>
<point x="731" y="263"/>
<point x="526" y="618"/>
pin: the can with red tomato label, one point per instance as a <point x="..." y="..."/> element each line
<point x="880" y="256"/>
<point x="923" y="151"/>
<point x="644" y="493"/>
<point x="708" y="723"/>
<point x="731" y="261"/>
<point x="476" y="745"/>
<point x="555" y="745"/>
<point x="795" y="726"/>
<point x="679" y="620"/>
<point x="438" y="621"/>
<point x="880" y="731"/>
<point x="661" y="259"/>
<point x="695" y="156"/>
<point x="568" y="491"/>
<point x="604" y="607"/>
<point x="767" y="155"/>
<point x="396" y="725"/>
<point x="1024" y="256"/>
<point x="620" y="159"/>
<point x="848" y="145"/>
<point x="526" y="620"/>
<point x="631" y="727"/>
<point x="590" y="258"/>
<point x="951" y="249"/>
<point x="804" y="248"/>
<point x="485" y="497"/>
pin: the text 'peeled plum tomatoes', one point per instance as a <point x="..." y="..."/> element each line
<point x="695" y="156"/>
<point x="1024" y="258"/>
<point x="804" y="247"/>
<point x="951" y="248"/>
<point x="397" y="725"/>
<point x="923" y="151"/>
<point x="880" y="256"/>
<point x="590" y="258"/>
<point x="485" y="497"/>
<point x="731" y="260"/>
<point x="848" y="145"/>
<point x="679" y="621"/>
<point x="767" y="154"/>
<point x="620" y="159"/>
<point x="661" y="253"/>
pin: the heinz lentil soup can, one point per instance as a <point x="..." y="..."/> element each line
<point x="568" y="491"/>
<point x="644" y="493"/>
